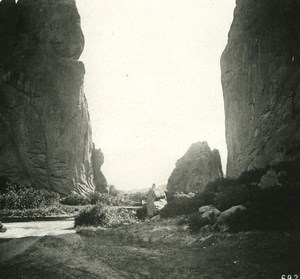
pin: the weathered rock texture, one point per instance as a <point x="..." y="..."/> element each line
<point x="195" y="169"/>
<point x="99" y="179"/>
<point x="156" y="200"/>
<point x="270" y="179"/>
<point x="261" y="84"/>
<point x="45" y="133"/>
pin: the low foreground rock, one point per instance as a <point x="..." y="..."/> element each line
<point x="224" y="217"/>
<point x="209" y="212"/>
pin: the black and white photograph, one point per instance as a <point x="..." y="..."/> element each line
<point x="150" y="139"/>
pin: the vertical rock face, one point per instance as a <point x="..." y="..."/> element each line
<point x="195" y="169"/>
<point x="45" y="132"/>
<point x="261" y="84"/>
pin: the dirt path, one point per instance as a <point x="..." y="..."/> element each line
<point x="129" y="253"/>
<point x="38" y="228"/>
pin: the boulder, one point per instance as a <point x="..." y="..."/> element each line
<point x="270" y="179"/>
<point x="45" y="129"/>
<point x="156" y="200"/>
<point x="222" y="221"/>
<point x="209" y="212"/>
<point x="195" y="169"/>
<point x="261" y="85"/>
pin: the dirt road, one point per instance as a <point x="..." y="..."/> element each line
<point x="38" y="228"/>
<point x="150" y="251"/>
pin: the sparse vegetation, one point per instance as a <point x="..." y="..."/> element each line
<point x="141" y="213"/>
<point x="184" y="204"/>
<point x="14" y="196"/>
<point x="75" y="199"/>
<point x="100" y="215"/>
<point x="274" y="208"/>
<point x="196" y="222"/>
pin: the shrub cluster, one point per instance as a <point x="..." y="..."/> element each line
<point x="196" y="222"/>
<point x="184" y="204"/>
<point x="141" y="213"/>
<point x="100" y="215"/>
<point x="274" y="208"/>
<point x="75" y="199"/>
<point x="104" y="198"/>
<point x="56" y="210"/>
<point x="14" y="196"/>
<point x="271" y="209"/>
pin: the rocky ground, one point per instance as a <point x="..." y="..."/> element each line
<point x="151" y="250"/>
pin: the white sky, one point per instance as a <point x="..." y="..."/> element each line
<point x="153" y="82"/>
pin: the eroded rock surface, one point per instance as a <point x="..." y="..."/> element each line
<point x="270" y="179"/>
<point x="156" y="200"/>
<point x="99" y="179"/>
<point x="195" y="169"/>
<point x="45" y="132"/>
<point x="261" y="84"/>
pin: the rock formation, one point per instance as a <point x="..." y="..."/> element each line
<point x="195" y="169"/>
<point x="260" y="78"/>
<point x="156" y="200"/>
<point x="45" y="132"/>
<point x="99" y="179"/>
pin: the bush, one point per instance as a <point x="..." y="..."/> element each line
<point x="51" y="211"/>
<point x="14" y="196"/>
<point x="92" y="216"/>
<point x="235" y="194"/>
<point x="185" y="205"/>
<point x="120" y="216"/>
<point x="94" y="197"/>
<point x="75" y="199"/>
<point x="2" y="228"/>
<point x="141" y="213"/>
<point x="99" y="215"/>
<point x="275" y="208"/>
<point x="196" y="222"/>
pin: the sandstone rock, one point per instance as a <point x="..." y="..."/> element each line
<point x="45" y="131"/>
<point x="99" y="179"/>
<point x="156" y="200"/>
<point x="270" y="179"/>
<point x="225" y="215"/>
<point x="195" y="169"/>
<point x="260" y="79"/>
<point x="209" y="212"/>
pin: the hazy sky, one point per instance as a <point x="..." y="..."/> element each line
<point x="153" y="82"/>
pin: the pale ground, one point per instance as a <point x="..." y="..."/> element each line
<point x="149" y="250"/>
<point x="38" y="228"/>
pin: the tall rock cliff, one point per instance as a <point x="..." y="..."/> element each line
<point x="195" y="169"/>
<point x="261" y="84"/>
<point x="45" y="132"/>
